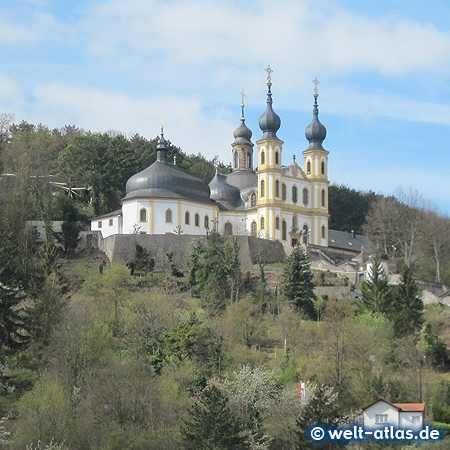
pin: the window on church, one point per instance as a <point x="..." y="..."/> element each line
<point x="253" y="228"/>
<point x="168" y="216"/>
<point x="305" y="197"/>
<point x="99" y="224"/>
<point x="308" y="167"/>
<point x="236" y="160"/>
<point x="263" y="158"/>
<point x="283" y="192"/>
<point x="261" y="223"/>
<point x="277" y="188"/>
<point x="277" y="223"/>
<point x="324" y="231"/>
<point x="323" y="198"/>
<point x="228" y="231"/>
<point x="253" y="200"/>
<point x="207" y="222"/>
<point x="249" y="161"/>
<point x="263" y="188"/>
<point x="143" y="215"/>
<point x="111" y="222"/>
<point x="277" y="158"/>
<point x="283" y="230"/>
<point x="294" y="222"/>
<point x="187" y="218"/>
<point x="322" y="168"/>
<point x="294" y="194"/>
<point x="305" y="234"/>
<point x="197" y="220"/>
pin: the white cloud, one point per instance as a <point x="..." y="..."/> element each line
<point x="187" y="125"/>
<point x="10" y="91"/>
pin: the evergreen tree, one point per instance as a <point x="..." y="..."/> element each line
<point x="376" y="293"/>
<point x="322" y="408"/>
<point x="407" y="311"/>
<point x="436" y="352"/>
<point x="298" y="282"/>
<point x="14" y="320"/>
<point x="233" y="267"/>
<point x="211" y="425"/>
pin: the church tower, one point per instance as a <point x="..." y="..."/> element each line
<point x="316" y="170"/>
<point x="269" y="149"/>
<point x="242" y="145"/>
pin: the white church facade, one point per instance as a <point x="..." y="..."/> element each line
<point x="267" y="200"/>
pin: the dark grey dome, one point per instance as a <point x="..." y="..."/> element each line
<point x="315" y="132"/>
<point x="242" y="134"/>
<point x="165" y="181"/>
<point x="269" y="122"/>
<point x="242" y="179"/>
<point x="223" y="192"/>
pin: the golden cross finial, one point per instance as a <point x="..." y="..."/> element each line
<point x="269" y="71"/>
<point x="316" y="83"/>
<point x="162" y="130"/>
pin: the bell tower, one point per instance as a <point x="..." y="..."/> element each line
<point x="242" y="145"/>
<point x="269" y="149"/>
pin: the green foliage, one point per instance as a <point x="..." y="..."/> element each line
<point x="436" y="352"/>
<point x="322" y="408"/>
<point x="441" y="402"/>
<point x="142" y="262"/>
<point x="298" y="282"/>
<point x="406" y="311"/>
<point x="376" y="293"/>
<point x="211" y="425"/>
<point x="348" y="208"/>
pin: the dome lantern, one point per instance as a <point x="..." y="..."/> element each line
<point x="315" y="132"/>
<point x="269" y="122"/>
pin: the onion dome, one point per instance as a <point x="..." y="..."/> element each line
<point x="315" y="132"/>
<point x="222" y="192"/>
<point x="242" y="134"/>
<point x="164" y="180"/>
<point x="269" y="122"/>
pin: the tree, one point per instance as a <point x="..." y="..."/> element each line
<point x="14" y="320"/>
<point x="322" y="408"/>
<point x="211" y="425"/>
<point x="70" y="226"/>
<point x="233" y="267"/>
<point x="376" y="293"/>
<point x="407" y="308"/>
<point x="436" y="352"/>
<point x="298" y="282"/>
<point x="142" y="261"/>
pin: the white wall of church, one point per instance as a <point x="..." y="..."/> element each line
<point x="107" y="225"/>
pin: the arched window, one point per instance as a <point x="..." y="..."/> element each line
<point x="168" y="216"/>
<point x="283" y="230"/>
<point x="197" y="220"/>
<point x="322" y="167"/>
<point x="236" y="160"/>
<point x="308" y="167"/>
<point x="228" y="230"/>
<point x="294" y="222"/>
<point x="323" y="198"/>
<point x="324" y="231"/>
<point x="263" y="188"/>
<point x="143" y="215"/>
<point x="253" y="200"/>
<point x="263" y="158"/>
<point x="253" y="228"/>
<point x="305" y="197"/>
<point x="249" y="161"/>
<point x="207" y="222"/>
<point x="277" y="188"/>
<point x="261" y="223"/>
<point x="294" y="194"/>
<point x="305" y="233"/>
<point x="277" y="223"/>
<point x="277" y="158"/>
<point x="187" y="218"/>
<point x="283" y="192"/>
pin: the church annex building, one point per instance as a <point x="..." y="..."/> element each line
<point x="269" y="201"/>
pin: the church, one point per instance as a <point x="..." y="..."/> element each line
<point x="261" y="198"/>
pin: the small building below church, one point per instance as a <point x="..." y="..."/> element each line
<point x="261" y="197"/>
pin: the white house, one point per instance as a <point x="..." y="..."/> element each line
<point x="405" y="415"/>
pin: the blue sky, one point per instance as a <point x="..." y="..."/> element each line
<point x="129" y="66"/>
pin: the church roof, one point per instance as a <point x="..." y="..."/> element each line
<point x="242" y="179"/>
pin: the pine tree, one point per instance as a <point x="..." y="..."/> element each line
<point x="211" y="425"/>
<point x="376" y="293"/>
<point x="298" y="282"/>
<point x="407" y="311"/>
<point x="322" y="408"/>
<point x="14" y="320"/>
